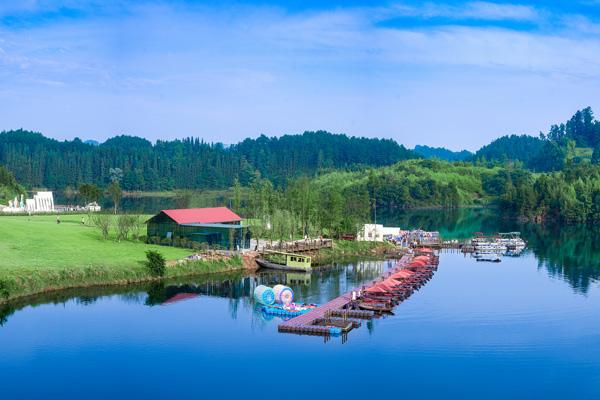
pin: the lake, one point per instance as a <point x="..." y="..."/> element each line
<point x="527" y="327"/>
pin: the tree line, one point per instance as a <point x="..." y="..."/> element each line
<point x="41" y="162"/>
<point x="274" y="181"/>
<point x="549" y="151"/>
<point x="340" y="202"/>
<point x="571" y="195"/>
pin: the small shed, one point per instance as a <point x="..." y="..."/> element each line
<point x="216" y="226"/>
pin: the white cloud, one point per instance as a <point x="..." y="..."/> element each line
<point x="477" y="10"/>
<point x="160" y="69"/>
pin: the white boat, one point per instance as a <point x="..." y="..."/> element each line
<point x="490" y="247"/>
<point x="511" y="240"/>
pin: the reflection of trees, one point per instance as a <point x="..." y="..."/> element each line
<point x="451" y="223"/>
<point x="570" y="252"/>
<point x="6" y="311"/>
<point x="86" y="300"/>
<point x="141" y="293"/>
<point x="157" y="294"/>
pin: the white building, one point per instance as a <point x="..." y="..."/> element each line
<point x="377" y="233"/>
<point x="371" y="233"/>
<point x="93" y="207"/>
<point x="41" y="202"/>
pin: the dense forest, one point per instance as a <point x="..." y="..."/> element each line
<point x="442" y="153"/>
<point x="339" y="201"/>
<point x="324" y="181"/>
<point x="548" y="152"/>
<point x="37" y="161"/>
<point x="571" y="195"/>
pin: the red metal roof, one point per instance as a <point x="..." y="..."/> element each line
<point x="203" y="215"/>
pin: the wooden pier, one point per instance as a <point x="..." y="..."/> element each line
<point x="301" y="246"/>
<point x="335" y="311"/>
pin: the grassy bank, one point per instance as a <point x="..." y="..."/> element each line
<point x="39" y="255"/>
<point x="345" y="249"/>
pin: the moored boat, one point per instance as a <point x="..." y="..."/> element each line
<point x="285" y="261"/>
<point x="377" y="307"/>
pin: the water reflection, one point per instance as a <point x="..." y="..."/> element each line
<point x="319" y="286"/>
<point x="452" y="223"/>
<point x="568" y="252"/>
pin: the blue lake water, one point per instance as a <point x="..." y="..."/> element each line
<point x="528" y="327"/>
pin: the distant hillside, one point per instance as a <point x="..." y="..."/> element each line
<point x="442" y="153"/>
<point x="38" y="161"/>
<point x="419" y="183"/>
<point x="578" y="139"/>
<point x="523" y="148"/>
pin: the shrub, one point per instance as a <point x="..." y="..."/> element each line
<point x="153" y="240"/>
<point x="124" y="224"/>
<point x="136" y="227"/>
<point x="103" y="222"/>
<point x="156" y="263"/>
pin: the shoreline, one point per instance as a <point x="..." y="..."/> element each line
<point x="21" y="286"/>
<point x="225" y="267"/>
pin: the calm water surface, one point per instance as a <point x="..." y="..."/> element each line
<point x="528" y="327"/>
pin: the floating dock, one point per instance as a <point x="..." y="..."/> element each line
<point x="301" y="246"/>
<point x="339" y="317"/>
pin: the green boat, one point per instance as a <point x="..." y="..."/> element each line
<point x="284" y="261"/>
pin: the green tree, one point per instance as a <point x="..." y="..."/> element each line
<point x="89" y="192"/>
<point x="156" y="263"/>
<point x="237" y="195"/>
<point x="115" y="193"/>
<point x="596" y="155"/>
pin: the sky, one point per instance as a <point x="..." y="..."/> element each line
<point x="456" y="74"/>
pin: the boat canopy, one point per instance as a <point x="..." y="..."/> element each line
<point x="403" y="274"/>
<point x="376" y="289"/>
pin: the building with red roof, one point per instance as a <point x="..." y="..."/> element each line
<point x="215" y="227"/>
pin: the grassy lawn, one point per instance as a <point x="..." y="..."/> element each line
<point x="39" y="242"/>
<point x="37" y="254"/>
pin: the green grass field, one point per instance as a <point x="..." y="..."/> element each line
<point x="37" y="254"/>
<point x="39" y="242"/>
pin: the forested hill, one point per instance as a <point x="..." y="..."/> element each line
<point x="442" y="153"/>
<point x="578" y="138"/>
<point x="38" y="161"/>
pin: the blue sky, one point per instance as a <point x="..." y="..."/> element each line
<point x="452" y="73"/>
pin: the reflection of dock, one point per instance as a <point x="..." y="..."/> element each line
<point x="285" y="278"/>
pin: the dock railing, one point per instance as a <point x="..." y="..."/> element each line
<point x="300" y="246"/>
